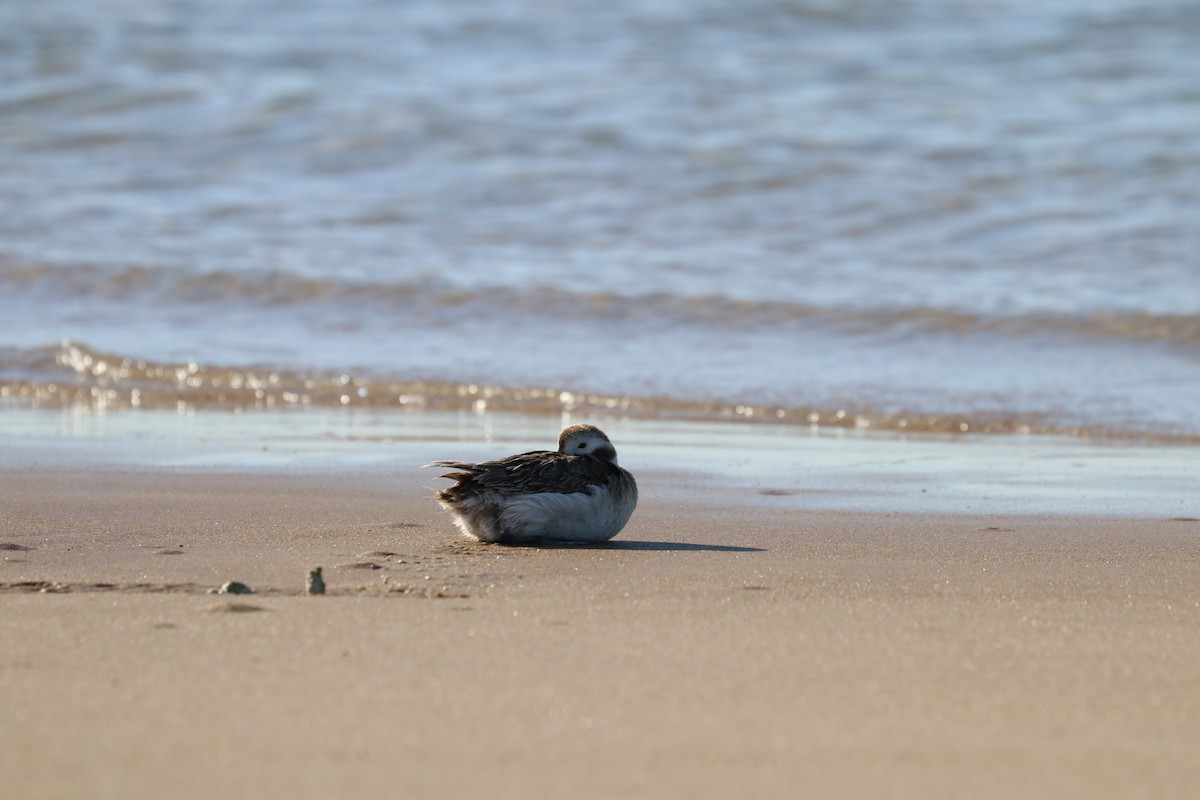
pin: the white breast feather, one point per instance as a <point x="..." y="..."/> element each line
<point x="581" y="517"/>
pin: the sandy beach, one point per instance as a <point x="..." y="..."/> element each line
<point x="718" y="647"/>
<point x="892" y="309"/>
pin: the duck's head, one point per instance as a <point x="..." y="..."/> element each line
<point x="586" y="440"/>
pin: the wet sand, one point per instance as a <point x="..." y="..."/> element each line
<point x="726" y="644"/>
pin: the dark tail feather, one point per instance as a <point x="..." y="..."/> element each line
<point x="469" y="471"/>
<point x="463" y="465"/>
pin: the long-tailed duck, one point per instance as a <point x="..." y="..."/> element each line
<point x="577" y="494"/>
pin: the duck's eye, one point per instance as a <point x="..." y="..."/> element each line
<point x="582" y="445"/>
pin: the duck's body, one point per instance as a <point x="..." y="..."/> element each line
<point x="577" y="494"/>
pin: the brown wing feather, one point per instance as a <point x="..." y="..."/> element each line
<point x="536" y="471"/>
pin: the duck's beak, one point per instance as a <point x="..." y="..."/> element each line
<point x="606" y="452"/>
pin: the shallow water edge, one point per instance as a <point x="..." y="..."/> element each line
<point x="78" y="380"/>
<point x="780" y="467"/>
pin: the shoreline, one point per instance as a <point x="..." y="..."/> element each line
<point x="716" y="647"/>
<point x="76" y="380"/>
<point x="796" y="467"/>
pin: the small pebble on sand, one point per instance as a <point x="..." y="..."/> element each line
<point x="314" y="583"/>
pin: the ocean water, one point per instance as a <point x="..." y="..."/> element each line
<point x="931" y="215"/>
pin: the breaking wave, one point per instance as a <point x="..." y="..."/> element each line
<point x="428" y="299"/>
<point x="73" y="376"/>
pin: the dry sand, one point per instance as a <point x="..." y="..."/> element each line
<point x="725" y="647"/>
